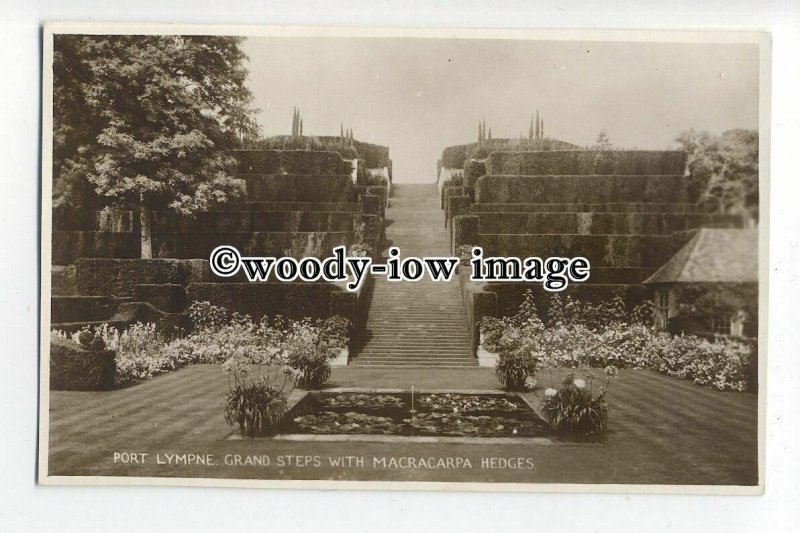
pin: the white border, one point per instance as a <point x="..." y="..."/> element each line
<point x="762" y="39"/>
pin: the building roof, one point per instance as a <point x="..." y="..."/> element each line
<point x="713" y="256"/>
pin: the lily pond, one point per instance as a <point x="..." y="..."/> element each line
<point x="433" y="414"/>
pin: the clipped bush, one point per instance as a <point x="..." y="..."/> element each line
<point x="83" y="368"/>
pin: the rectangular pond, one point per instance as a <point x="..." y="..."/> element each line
<point x="439" y="414"/>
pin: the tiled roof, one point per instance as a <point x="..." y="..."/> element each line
<point x="713" y="256"/>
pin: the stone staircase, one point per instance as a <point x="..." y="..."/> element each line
<point x="423" y="323"/>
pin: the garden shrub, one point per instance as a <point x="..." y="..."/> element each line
<point x="86" y="367"/>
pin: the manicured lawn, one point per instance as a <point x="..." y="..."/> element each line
<point x="662" y="431"/>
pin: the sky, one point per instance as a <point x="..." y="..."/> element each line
<point x="418" y="96"/>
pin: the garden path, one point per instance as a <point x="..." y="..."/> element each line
<point x="420" y="323"/>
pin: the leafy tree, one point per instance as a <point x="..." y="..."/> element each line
<point x="602" y="142"/>
<point x="725" y="168"/>
<point x="144" y="122"/>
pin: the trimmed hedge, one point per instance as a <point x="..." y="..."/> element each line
<point x="300" y="187"/>
<point x="74" y="368"/>
<point x="81" y="308"/>
<point x="70" y="245"/>
<point x="577" y="189"/>
<point x="482" y="150"/>
<point x="584" y="162"/>
<point x="454" y="156"/>
<point x="243" y="221"/>
<point x="309" y="142"/>
<point x="309" y="162"/>
<point x="601" y="250"/>
<point x="614" y="207"/>
<point x="601" y="223"/>
<point x="342" y="207"/>
<point x="167" y="297"/>
<point x="62" y="280"/>
<point x="473" y="170"/>
<point x="293" y="300"/>
<point x="119" y="277"/>
<point x="374" y="155"/>
<point x="296" y="244"/>
<point x="367" y="229"/>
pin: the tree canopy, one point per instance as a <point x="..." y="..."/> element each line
<point x="146" y="120"/>
<point x="725" y="168"/>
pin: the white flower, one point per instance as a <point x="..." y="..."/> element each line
<point x="549" y="392"/>
<point x="530" y="383"/>
<point x="579" y="383"/>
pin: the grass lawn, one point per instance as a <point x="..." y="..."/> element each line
<point x="661" y="431"/>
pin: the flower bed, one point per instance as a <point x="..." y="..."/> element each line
<point x="307" y="345"/>
<point x="596" y="336"/>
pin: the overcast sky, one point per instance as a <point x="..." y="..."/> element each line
<point x="418" y="96"/>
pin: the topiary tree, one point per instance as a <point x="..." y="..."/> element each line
<point x="145" y="122"/>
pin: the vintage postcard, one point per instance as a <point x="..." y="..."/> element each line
<point x="404" y="259"/>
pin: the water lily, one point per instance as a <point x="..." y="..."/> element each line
<point x="550" y="392"/>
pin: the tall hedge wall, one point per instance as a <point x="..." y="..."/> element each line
<point x="613" y="207"/>
<point x="345" y="207"/>
<point x="119" y="277"/>
<point x="299" y="188"/>
<point x="296" y="244"/>
<point x="295" y="300"/>
<point x="582" y="162"/>
<point x="580" y="189"/>
<point x="601" y="250"/>
<point x="70" y="245"/>
<point x="454" y="156"/>
<point x="587" y="223"/>
<point x="291" y="162"/>
<point x="236" y="221"/>
<point x="374" y="155"/>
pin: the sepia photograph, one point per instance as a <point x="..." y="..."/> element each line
<point x="483" y="260"/>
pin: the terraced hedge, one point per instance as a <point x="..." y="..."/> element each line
<point x="70" y="245"/>
<point x="300" y="187"/>
<point x="454" y="156"/>
<point x="119" y="277"/>
<point x="291" y="162"/>
<point x="296" y="244"/>
<point x="294" y="300"/>
<point x="580" y="189"/>
<point x="587" y="223"/>
<point x="615" y="207"/>
<point x="650" y="251"/>
<point x="344" y="207"/>
<point x="88" y="308"/>
<point x="583" y="162"/>
<point x="374" y="155"/>
<point x="242" y="221"/>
